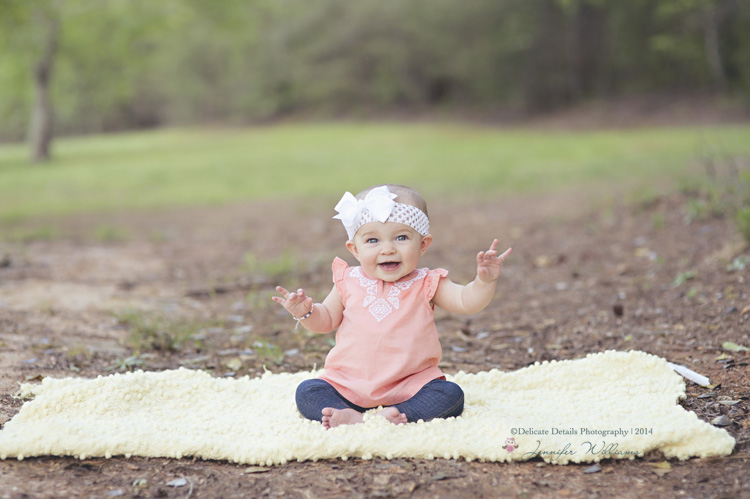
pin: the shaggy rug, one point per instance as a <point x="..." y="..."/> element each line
<point x="609" y="405"/>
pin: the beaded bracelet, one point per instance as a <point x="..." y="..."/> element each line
<point x="298" y="319"/>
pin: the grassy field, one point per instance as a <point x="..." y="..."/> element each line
<point x="207" y="166"/>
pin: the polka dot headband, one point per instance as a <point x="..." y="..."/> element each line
<point x="379" y="206"/>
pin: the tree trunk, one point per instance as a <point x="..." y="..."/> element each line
<point x="40" y="128"/>
<point x="713" y="53"/>
<point x="545" y="77"/>
<point x="589" y="43"/>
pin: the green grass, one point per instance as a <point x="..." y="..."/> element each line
<point x="156" y="331"/>
<point x="207" y="166"/>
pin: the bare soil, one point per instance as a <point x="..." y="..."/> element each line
<point x="589" y="272"/>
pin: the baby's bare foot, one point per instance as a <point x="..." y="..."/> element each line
<point x="393" y="415"/>
<point x="335" y="417"/>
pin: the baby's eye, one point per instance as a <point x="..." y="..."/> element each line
<point x="402" y="238"/>
<point x="372" y="240"/>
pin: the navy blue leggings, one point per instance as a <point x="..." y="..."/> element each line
<point x="437" y="399"/>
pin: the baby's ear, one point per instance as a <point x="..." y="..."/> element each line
<point x="426" y="242"/>
<point x="352" y="248"/>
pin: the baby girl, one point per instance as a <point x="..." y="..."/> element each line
<point x="387" y="348"/>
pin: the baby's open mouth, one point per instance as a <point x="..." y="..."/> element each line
<point x="389" y="266"/>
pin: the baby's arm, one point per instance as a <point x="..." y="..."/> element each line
<point x="476" y="295"/>
<point x="325" y="316"/>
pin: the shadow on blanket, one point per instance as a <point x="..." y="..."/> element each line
<point x="609" y="405"/>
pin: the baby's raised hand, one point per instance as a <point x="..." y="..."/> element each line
<point x="298" y="304"/>
<point x="489" y="263"/>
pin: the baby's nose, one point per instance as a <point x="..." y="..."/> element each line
<point x="388" y="248"/>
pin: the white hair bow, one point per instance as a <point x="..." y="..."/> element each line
<point x="379" y="202"/>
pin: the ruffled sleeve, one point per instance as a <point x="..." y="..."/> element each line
<point x="431" y="283"/>
<point x="339" y="268"/>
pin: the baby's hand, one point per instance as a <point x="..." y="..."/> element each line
<point x="489" y="263"/>
<point x="298" y="304"/>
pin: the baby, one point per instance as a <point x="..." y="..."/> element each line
<point x="387" y="348"/>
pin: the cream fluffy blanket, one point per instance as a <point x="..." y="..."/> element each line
<point x="607" y="405"/>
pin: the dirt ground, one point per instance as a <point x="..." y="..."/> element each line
<point x="588" y="273"/>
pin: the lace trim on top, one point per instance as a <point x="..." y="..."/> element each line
<point x="380" y="308"/>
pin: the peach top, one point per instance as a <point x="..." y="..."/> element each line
<point x="387" y="345"/>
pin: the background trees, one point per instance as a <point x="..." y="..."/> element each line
<point x="119" y="64"/>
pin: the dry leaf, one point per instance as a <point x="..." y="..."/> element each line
<point x="257" y="469"/>
<point x="234" y="364"/>
<point x="734" y="347"/>
<point x="593" y="469"/>
<point x="661" y="468"/>
<point x="441" y="476"/>
<point x="663" y="464"/>
<point x="722" y="420"/>
<point x="542" y="261"/>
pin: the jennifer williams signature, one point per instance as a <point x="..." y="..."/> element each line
<point x="605" y="449"/>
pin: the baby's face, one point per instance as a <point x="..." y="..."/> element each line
<point x="388" y="251"/>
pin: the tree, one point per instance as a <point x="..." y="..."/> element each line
<point x="45" y="31"/>
<point x="30" y="38"/>
<point x="111" y="65"/>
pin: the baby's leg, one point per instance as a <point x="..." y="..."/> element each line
<point x="319" y="401"/>
<point x="437" y="399"/>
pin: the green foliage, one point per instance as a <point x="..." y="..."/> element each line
<point x="742" y="221"/>
<point x="155" y="331"/>
<point x="269" y="352"/>
<point x="739" y="264"/>
<point x="109" y="234"/>
<point x="658" y="220"/>
<point x="144" y="63"/>
<point x="724" y="192"/>
<point x="683" y="277"/>
<point x="126" y="364"/>
<point x="275" y="268"/>
<point x="27" y="235"/>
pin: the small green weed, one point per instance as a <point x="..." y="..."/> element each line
<point x="159" y="236"/>
<point x="696" y="210"/>
<point x="127" y="364"/>
<point x="742" y="221"/>
<point x="31" y="235"/>
<point x="156" y="332"/>
<point x="269" y="352"/>
<point x="78" y="350"/>
<point x="739" y="264"/>
<point x="108" y="234"/>
<point x="281" y="266"/>
<point x="658" y="220"/>
<point x="725" y="192"/>
<point x="644" y="197"/>
<point x="683" y="277"/>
